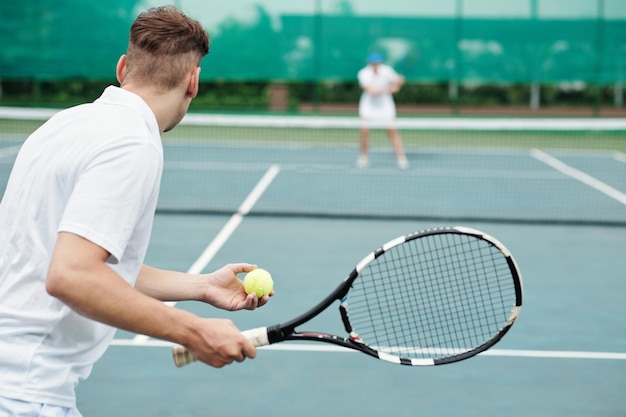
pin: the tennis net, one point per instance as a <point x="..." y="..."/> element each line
<point x="461" y="169"/>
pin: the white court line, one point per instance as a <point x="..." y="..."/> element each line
<point x="224" y="234"/>
<point x="619" y="156"/>
<point x="320" y="347"/>
<point x="579" y="175"/>
<point x="234" y="221"/>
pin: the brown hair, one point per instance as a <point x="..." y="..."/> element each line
<point x="164" y="45"/>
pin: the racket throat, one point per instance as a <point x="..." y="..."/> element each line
<point x="343" y="311"/>
<point x="277" y="334"/>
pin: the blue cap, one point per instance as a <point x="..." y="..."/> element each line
<point x="374" y="58"/>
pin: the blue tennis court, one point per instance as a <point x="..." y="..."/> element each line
<point x="308" y="215"/>
<point x="565" y="356"/>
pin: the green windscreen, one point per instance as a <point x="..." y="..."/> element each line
<point x="318" y="40"/>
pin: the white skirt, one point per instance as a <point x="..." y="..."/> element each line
<point x="377" y="108"/>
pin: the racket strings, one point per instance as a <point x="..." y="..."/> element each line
<point x="435" y="296"/>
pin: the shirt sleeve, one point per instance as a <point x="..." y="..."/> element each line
<point x="392" y="75"/>
<point x="363" y="78"/>
<point x="110" y="195"/>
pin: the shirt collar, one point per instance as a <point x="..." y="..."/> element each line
<point x="119" y="96"/>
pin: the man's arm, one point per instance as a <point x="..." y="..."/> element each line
<point x="79" y="276"/>
<point x="221" y="288"/>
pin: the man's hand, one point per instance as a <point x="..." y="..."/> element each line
<point x="218" y="343"/>
<point x="226" y="291"/>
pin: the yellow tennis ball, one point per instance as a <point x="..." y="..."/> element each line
<point x="258" y="281"/>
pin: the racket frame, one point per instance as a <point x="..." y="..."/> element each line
<point x="286" y="331"/>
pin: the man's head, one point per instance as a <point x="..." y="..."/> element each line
<point x="162" y="62"/>
<point x="164" y="46"/>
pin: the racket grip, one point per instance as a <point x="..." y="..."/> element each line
<point x="183" y="357"/>
<point x="257" y="336"/>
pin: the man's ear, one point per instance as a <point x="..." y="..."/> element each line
<point x="120" y="69"/>
<point x="194" y="83"/>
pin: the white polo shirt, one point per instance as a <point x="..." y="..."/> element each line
<point x="93" y="170"/>
<point x="377" y="107"/>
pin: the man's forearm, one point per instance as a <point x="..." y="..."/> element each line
<point x="167" y="285"/>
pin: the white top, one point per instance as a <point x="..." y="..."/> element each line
<point x="93" y="170"/>
<point x="377" y="107"/>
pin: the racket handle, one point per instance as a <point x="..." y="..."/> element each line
<point x="257" y="336"/>
<point x="183" y="357"/>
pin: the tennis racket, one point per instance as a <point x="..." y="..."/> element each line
<point x="429" y="298"/>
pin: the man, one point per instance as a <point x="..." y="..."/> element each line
<point x="379" y="82"/>
<point x="75" y="222"/>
